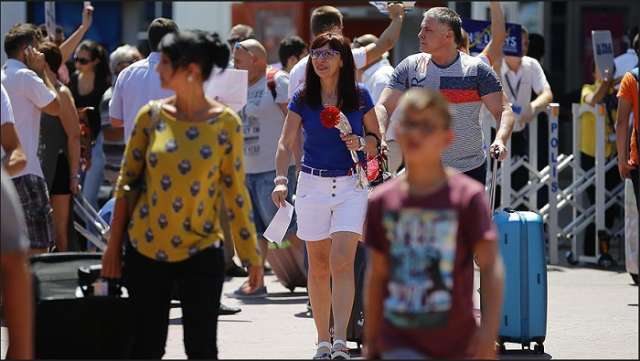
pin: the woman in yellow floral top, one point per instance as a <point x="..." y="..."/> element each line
<point x="188" y="155"/>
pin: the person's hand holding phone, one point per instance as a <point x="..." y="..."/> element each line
<point x="35" y="60"/>
<point x="87" y="15"/>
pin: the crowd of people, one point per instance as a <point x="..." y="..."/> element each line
<point x="196" y="183"/>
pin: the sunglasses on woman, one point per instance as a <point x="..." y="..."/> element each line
<point x="323" y="53"/>
<point x="83" y="61"/>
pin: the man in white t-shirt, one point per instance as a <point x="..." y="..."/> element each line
<point x="376" y="75"/>
<point x="325" y="19"/>
<point x="30" y="92"/>
<point x="520" y="77"/>
<point x="262" y="120"/>
<point x="139" y="83"/>
<point x="13" y="158"/>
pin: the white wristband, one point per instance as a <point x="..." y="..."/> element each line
<point x="280" y="178"/>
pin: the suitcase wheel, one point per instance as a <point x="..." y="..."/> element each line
<point x="500" y="348"/>
<point x="539" y="348"/>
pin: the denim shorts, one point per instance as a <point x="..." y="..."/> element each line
<point x="260" y="187"/>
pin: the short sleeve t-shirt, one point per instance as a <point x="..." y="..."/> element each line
<point x="28" y="94"/>
<point x="588" y="127"/>
<point x="462" y="83"/>
<point x="323" y="148"/>
<point x="7" y="114"/>
<point x="262" y="121"/>
<point x="429" y="241"/>
<point x="298" y="73"/>
<point x="629" y="92"/>
<point x="7" y="111"/>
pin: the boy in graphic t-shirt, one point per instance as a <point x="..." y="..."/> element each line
<point x="423" y="230"/>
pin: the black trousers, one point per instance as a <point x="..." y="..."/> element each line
<point x="199" y="280"/>
<point x="612" y="178"/>
<point x="479" y="174"/>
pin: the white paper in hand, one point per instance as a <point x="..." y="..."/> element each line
<point x="279" y="224"/>
<point x="228" y="87"/>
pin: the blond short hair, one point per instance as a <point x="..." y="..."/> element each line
<point x="419" y="100"/>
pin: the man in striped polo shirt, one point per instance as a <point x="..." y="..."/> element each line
<point x="465" y="81"/>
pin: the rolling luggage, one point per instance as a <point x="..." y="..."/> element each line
<point x="522" y="247"/>
<point x="74" y="320"/>
<point x="287" y="262"/>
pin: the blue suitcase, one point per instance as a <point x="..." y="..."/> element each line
<point x="524" y="308"/>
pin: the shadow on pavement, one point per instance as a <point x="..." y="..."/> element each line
<point x="272" y="301"/>
<point x="303" y="314"/>
<point x="523" y="355"/>
<point x="286" y="294"/>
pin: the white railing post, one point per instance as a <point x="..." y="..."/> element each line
<point x="577" y="171"/>
<point x="553" y="111"/>
<point x="600" y="172"/>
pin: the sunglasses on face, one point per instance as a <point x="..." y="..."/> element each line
<point x="323" y="53"/>
<point x="83" y="61"/>
<point x="407" y="126"/>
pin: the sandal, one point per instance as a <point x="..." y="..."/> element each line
<point x="323" y="355"/>
<point x="340" y="351"/>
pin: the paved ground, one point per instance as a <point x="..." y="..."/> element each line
<point x="592" y="314"/>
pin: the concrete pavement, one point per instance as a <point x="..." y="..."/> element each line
<point x="592" y="314"/>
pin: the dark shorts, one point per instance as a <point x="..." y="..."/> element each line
<point x="32" y="191"/>
<point x="61" y="178"/>
<point x="479" y="173"/>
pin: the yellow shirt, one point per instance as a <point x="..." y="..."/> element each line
<point x="187" y="168"/>
<point x="588" y="124"/>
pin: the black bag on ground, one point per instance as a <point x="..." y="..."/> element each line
<point x="355" y="328"/>
<point x="72" y="323"/>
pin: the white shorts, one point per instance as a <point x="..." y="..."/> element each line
<point x="328" y="205"/>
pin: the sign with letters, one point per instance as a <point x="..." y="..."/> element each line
<point x="480" y="34"/>
<point x="602" y="50"/>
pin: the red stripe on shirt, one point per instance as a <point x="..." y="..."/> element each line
<point x="457" y="96"/>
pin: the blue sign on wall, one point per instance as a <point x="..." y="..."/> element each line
<point x="480" y="35"/>
<point x="106" y="27"/>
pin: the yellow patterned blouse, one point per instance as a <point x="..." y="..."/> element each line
<point x="187" y="167"/>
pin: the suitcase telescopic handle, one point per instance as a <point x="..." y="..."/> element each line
<point x="494" y="176"/>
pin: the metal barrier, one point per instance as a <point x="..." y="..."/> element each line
<point x="569" y="195"/>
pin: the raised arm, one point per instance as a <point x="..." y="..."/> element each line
<point x="389" y="36"/>
<point x="493" y="50"/>
<point x="69" y="46"/>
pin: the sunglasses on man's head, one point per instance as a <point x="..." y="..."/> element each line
<point x="83" y="61"/>
<point x="238" y="45"/>
<point x="323" y="53"/>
